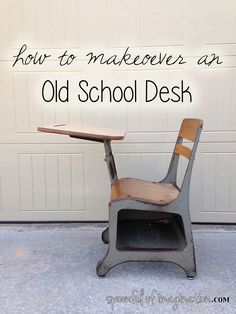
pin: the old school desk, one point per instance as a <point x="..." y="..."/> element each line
<point x="147" y="220"/>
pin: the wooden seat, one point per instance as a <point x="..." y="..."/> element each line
<point x="144" y="191"/>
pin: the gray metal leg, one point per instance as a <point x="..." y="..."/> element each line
<point x="113" y="176"/>
<point x="183" y="257"/>
<point x="107" y="263"/>
<point x="111" y="166"/>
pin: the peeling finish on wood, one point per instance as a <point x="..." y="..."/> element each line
<point x="156" y="193"/>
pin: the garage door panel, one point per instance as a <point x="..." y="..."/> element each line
<point x="52" y="180"/>
<point x="45" y="177"/>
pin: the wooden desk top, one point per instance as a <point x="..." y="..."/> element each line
<point x="84" y="132"/>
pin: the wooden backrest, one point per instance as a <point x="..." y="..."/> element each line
<point x="188" y="130"/>
<point x="183" y="150"/>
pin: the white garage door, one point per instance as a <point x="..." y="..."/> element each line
<point x="53" y="178"/>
